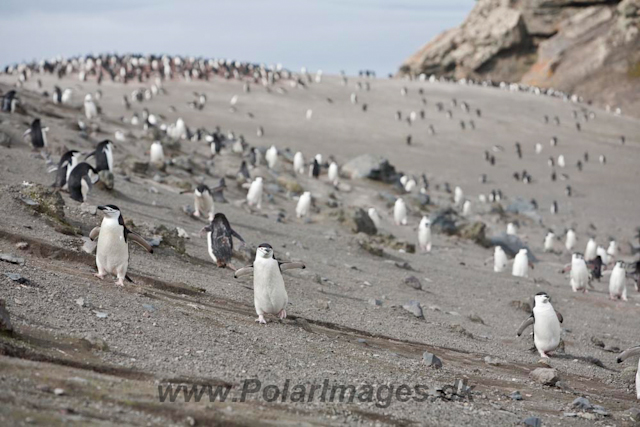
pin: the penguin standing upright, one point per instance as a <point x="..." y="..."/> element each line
<point x="571" y="240"/>
<point x="80" y="181"/>
<point x="591" y="250"/>
<point x="333" y="173"/>
<point x="304" y="205"/>
<point x="68" y="161"/>
<point x="38" y="134"/>
<point x="203" y="202"/>
<point x="90" y="108"/>
<point x="220" y="240"/>
<point x="618" y="282"/>
<point x="630" y="352"/>
<point x="373" y="214"/>
<point x="254" y="195"/>
<point x="103" y="155"/>
<point x="579" y="273"/>
<point x="9" y="101"/>
<point x="269" y="293"/>
<point x="549" y="241"/>
<point x="499" y="259"/>
<point x="272" y="157"/>
<point x="424" y="234"/>
<point x="156" y="153"/>
<point x="400" y="212"/>
<point x="314" y="169"/>
<point x="521" y="264"/>
<point x="546" y="324"/>
<point x="112" y="254"/>
<point x="298" y="163"/>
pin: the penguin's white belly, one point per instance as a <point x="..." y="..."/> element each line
<point x="617" y="282"/>
<point x="579" y="278"/>
<point x="270" y="295"/>
<point x="546" y="330"/>
<point x="210" y="248"/>
<point x="204" y="205"/>
<point x="424" y="237"/>
<point x="112" y="252"/>
<point x="520" y="266"/>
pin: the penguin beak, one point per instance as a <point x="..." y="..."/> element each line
<point x="102" y="207"/>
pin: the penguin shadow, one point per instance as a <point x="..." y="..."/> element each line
<point x="585" y="359"/>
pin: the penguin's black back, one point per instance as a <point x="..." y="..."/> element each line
<point x="37" y="140"/>
<point x="65" y="163"/>
<point x="75" y="180"/>
<point x="221" y="241"/>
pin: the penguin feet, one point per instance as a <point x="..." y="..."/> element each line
<point x="261" y="320"/>
<point x="282" y="314"/>
<point x="120" y="281"/>
<point x="543" y="355"/>
<point x="100" y="275"/>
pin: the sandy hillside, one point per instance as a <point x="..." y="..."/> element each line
<point x="184" y="321"/>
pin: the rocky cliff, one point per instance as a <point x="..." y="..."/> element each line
<point x="587" y="47"/>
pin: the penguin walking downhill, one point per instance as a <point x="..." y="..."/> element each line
<point x="112" y="253"/>
<point x="38" y="134"/>
<point x="618" y="282"/>
<point x="630" y="352"/>
<point x="499" y="260"/>
<point x="579" y="273"/>
<point x="521" y="264"/>
<point x="304" y="205"/>
<point x="269" y="293"/>
<point x="546" y="324"/>
<point x="68" y="161"/>
<point x="103" y="155"/>
<point x="400" y="212"/>
<point x="254" y="195"/>
<point x="424" y="234"/>
<point x="81" y="179"/>
<point x="220" y="240"/>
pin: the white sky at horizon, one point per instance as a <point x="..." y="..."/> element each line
<point x="331" y="35"/>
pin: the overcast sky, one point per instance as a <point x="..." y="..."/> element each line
<point x="331" y="35"/>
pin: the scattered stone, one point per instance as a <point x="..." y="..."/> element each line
<point x="182" y="233"/>
<point x="304" y="324"/>
<point x="597" y="342"/>
<point x="366" y="244"/>
<point x="532" y="422"/>
<point x="87" y="208"/>
<point x="581" y="403"/>
<point x="404" y="265"/>
<point x="107" y="180"/>
<point x="545" y="376"/>
<point x="635" y="414"/>
<point x="361" y="341"/>
<point x="155" y="241"/>
<point x="587" y="415"/>
<point x="290" y="184"/>
<point x="595" y="361"/>
<point x="18" y="278"/>
<point x="375" y="302"/>
<point x="361" y="222"/>
<point x="412" y="282"/>
<point x="431" y="360"/>
<point x="11" y="259"/>
<point x="476" y="319"/>
<point x="628" y="374"/>
<point x="101" y="315"/>
<point x="370" y="166"/>
<point x="461" y="330"/>
<point x="521" y="305"/>
<point x="92" y="342"/>
<point x="80" y="302"/>
<point x="148" y="307"/>
<point x="131" y="165"/>
<point x="22" y="246"/>
<point x="493" y="361"/>
<point x="516" y="395"/>
<point x="58" y="392"/>
<point x="170" y="238"/>
<point x="49" y="203"/>
<point x="5" y="321"/>
<point x="414" y="308"/>
<point x="476" y="233"/>
<point x="446" y="221"/>
<point x="611" y="349"/>
<point x="597" y="409"/>
<point x="323" y="304"/>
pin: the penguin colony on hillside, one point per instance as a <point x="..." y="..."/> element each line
<point x="75" y="175"/>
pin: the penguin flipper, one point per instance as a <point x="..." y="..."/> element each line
<point x="560" y="318"/>
<point x="94" y="233"/>
<point x="244" y="271"/>
<point x="128" y="279"/>
<point x="139" y="240"/>
<point x="236" y="235"/>
<point x="291" y="265"/>
<point x="528" y="322"/>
